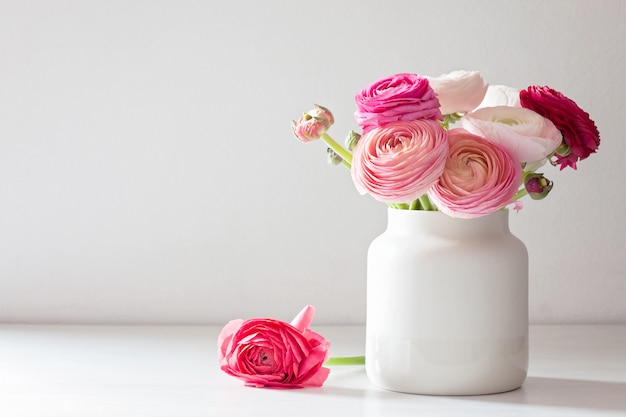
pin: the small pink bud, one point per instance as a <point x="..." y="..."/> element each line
<point x="537" y="186"/>
<point x="312" y="124"/>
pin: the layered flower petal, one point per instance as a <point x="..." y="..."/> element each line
<point x="272" y="353"/>
<point x="399" y="162"/>
<point x="398" y="97"/>
<point x="458" y="91"/>
<point x="480" y="177"/>
<point x="500" y="95"/>
<point x="304" y="318"/>
<point x="530" y="137"/>
<point x="580" y="134"/>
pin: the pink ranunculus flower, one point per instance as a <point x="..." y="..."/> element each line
<point x="500" y="95"/>
<point x="272" y="353"/>
<point x="312" y="124"/>
<point x="480" y="177"/>
<point x="398" y="97"/>
<point x="530" y="137"/>
<point x="459" y="91"/>
<point x="399" y="162"/>
<point x="581" y="137"/>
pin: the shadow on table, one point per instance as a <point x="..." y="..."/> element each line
<point x="536" y="391"/>
<point x="573" y="393"/>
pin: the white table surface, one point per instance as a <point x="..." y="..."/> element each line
<point x="172" y="371"/>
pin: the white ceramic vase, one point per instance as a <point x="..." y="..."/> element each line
<point x="447" y="305"/>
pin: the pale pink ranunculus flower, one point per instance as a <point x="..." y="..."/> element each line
<point x="458" y="91"/>
<point x="500" y="95"/>
<point x="530" y="137"/>
<point x="312" y="124"/>
<point x="398" y="97"/>
<point x="399" y="162"/>
<point x="581" y="137"/>
<point x="272" y="353"/>
<point x="480" y="177"/>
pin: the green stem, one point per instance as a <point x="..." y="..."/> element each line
<point x="425" y="202"/>
<point x="339" y="150"/>
<point x="345" y="360"/>
<point x="414" y="205"/>
<point x="521" y="193"/>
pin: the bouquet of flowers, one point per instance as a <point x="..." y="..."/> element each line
<point x="454" y="143"/>
<point x="449" y="143"/>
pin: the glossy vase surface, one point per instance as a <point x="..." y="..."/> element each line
<point x="447" y="305"/>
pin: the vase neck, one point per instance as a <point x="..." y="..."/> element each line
<point x="434" y="222"/>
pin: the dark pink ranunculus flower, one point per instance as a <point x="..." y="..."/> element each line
<point x="399" y="162"/>
<point x="580" y="134"/>
<point x="480" y="177"/>
<point x="398" y="97"/>
<point x="272" y="353"/>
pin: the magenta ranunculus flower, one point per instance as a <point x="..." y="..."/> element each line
<point x="580" y="134"/>
<point x="399" y="162"/>
<point x="480" y="177"/>
<point x="272" y="353"/>
<point x="398" y="97"/>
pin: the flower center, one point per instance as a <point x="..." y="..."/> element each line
<point x="265" y="358"/>
<point x="507" y="121"/>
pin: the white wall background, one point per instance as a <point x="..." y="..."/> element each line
<point x="148" y="172"/>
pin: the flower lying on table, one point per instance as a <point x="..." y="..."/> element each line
<point x="272" y="353"/>
<point x="411" y="156"/>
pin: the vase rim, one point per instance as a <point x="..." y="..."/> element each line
<point x="502" y="212"/>
<point x="438" y="222"/>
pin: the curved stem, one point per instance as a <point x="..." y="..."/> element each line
<point x="521" y="193"/>
<point x="339" y="150"/>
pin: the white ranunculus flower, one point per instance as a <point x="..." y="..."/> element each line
<point x="527" y="135"/>
<point x="458" y="91"/>
<point x="500" y="95"/>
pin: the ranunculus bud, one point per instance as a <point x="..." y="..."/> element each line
<point x="537" y="186"/>
<point x="352" y="139"/>
<point x="332" y="157"/>
<point x="312" y="124"/>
